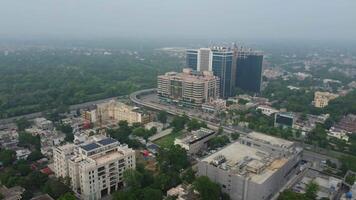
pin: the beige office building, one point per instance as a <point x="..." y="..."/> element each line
<point x="95" y="168"/>
<point x="189" y="88"/>
<point x="321" y="99"/>
<point x="115" y="111"/>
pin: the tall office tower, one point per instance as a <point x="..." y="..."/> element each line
<point x="204" y="59"/>
<point x="198" y="59"/>
<point x="222" y="67"/>
<point x="190" y="88"/>
<point x="191" y="59"/>
<point x="248" y="70"/>
<point x="95" y="167"/>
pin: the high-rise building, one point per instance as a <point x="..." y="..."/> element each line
<point x="248" y="70"/>
<point x="256" y="167"/>
<point x="191" y="59"/>
<point x="198" y="59"/>
<point x="222" y="67"/>
<point x="190" y="88"/>
<point x="95" y="168"/>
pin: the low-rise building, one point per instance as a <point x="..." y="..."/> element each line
<point x="267" y="110"/>
<point x="284" y="119"/>
<point x="22" y="154"/>
<point x="43" y="123"/>
<point x="115" y="111"/>
<point x="159" y="126"/>
<point x="321" y="99"/>
<point x="214" y="106"/>
<point x="254" y="168"/>
<point x="14" y="193"/>
<point x="338" y="133"/>
<point x="95" y="167"/>
<point x="194" y="141"/>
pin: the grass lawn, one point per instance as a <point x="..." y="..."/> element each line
<point x="167" y="140"/>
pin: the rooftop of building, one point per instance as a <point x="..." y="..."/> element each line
<point x="98" y="142"/>
<point x="246" y="161"/>
<point x="194" y="136"/>
<point x="269" y="139"/>
<point x="190" y="75"/>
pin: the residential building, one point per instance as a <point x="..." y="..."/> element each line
<point x="22" y="154"/>
<point x="95" y="167"/>
<point x="13" y="193"/>
<point x="347" y="123"/>
<point x="115" y="111"/>
<point x="267" y="110"/>
<point x="43" y="123"/>
<point x="189" y="88"/>
<point x="214" y="106"/>
<point x="321" y="99"/>
<point x="159" y="126"/>
<point x="254" y="168"/>
<point x="194" y="141"/>
<point x="248" y="70"/>
<point x="338" y="133"/>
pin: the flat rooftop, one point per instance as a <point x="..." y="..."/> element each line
<point x="269" y="139"/>
<point x="101" y="160"/>
<point x="247" y="161"/>
<point x="194" y="136"/>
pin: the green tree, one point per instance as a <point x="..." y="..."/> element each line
<point x="67" y="196"/>
<point x="172" y="159"/>
<point x="133" y="178"/>
<point x="22" y="124"/>
<point x="151" y="194"/>
<point x="311" y="191"/>
<point x="162" y="116"/>
<point x="7" y="157"/>
<point x="290" y="195"/>
<point x="207" y="189"/>
<point x="55" y="188"/>
<point x="188" y="176"/>
<point x="35" y="155"/>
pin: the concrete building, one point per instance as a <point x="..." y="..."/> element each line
<point x="189" y="88"/>
<point x="321" y="99"/>
<point x="254" y="168"/>
<point x="194" y="141"/>
<point x="267" y="110"/>
<point x="115" y="111"/>
<point x="95" y="167"/>
<point x="43" y="123"/>
<point x="199" y="59"/>
<point x="284" y="120"/>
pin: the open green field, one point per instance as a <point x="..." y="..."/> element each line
<point x="167" y="140"/>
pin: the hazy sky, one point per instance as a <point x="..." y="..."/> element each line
<point x="311" y="19"/>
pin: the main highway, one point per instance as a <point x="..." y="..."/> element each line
<point x="140" y="98"/>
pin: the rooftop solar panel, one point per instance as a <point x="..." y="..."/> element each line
<point x="90" y="146"/>
<point x="107" y="141"/>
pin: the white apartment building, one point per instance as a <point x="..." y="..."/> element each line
<point x="95" y="167"/>
<point x="117" y="111"/>
<point x="194" y="141"/>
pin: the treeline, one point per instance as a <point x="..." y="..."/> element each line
<point x="33" y="81"/>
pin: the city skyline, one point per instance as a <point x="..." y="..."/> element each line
<point x="110" y="19"/>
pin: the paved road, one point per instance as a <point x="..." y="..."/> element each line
<point x="140" y="98"/>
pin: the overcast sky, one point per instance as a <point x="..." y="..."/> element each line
<point x="301" y="19"/>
